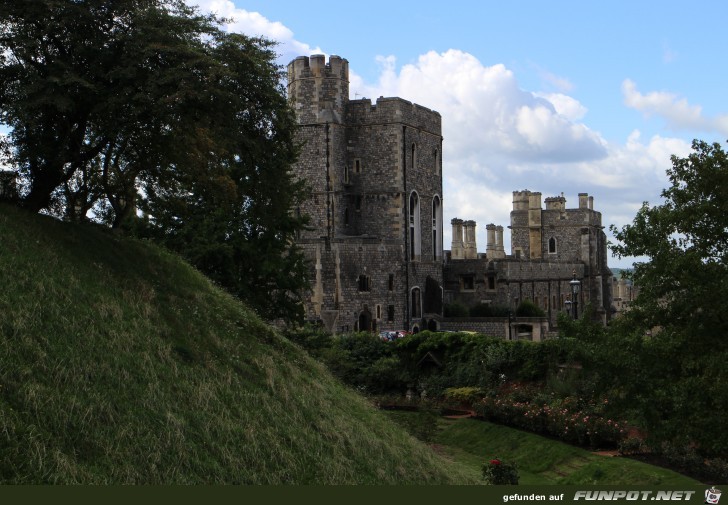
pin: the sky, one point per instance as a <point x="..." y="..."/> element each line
<point x="556" y="97"/>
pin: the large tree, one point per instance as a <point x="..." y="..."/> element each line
<point x="669" y="354"/>
<point x="121" y="106"/>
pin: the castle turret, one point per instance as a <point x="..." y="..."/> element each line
<point x="318" y="90"/>
<point x="534" y="225"/>
<point x="490" y="249"/>
<point x="583" y="200"/>
<point x="471" y="249"/>
<point x="457" y="250"/>
<point x="500" y="251"/>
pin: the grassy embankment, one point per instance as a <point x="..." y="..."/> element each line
<point x="119" y="363"/>
<point x="539" y="460"/>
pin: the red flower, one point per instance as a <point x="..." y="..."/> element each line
<point x="495" y="462"/>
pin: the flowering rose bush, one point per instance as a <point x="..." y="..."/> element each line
<point x="565" y="419"/>
<point x="498" y="472"/>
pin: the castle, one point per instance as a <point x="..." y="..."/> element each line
<point x="375" y="236"/>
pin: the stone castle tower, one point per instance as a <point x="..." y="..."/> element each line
<point x="375" y="177"/>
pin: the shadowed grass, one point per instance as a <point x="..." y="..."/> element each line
<point x="539" y="460"/>
<point x="119" y="363"/>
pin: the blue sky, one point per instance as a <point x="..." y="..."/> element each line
<point x="557" y="97"/>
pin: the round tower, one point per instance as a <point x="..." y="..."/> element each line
<point x="318" y="90"/>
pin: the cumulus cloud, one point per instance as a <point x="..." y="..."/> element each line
<point x="256" y="25"/>
<point x="675" y="111"/>
<point x="487" y="110"/>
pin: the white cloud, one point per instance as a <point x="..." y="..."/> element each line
<point x="487" y="110"/>
<point x="565" y="105"/>
<point x="675" y="111"/>
<point x="256" y="25"/>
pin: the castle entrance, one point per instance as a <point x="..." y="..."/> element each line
<point x="365" y="321"/>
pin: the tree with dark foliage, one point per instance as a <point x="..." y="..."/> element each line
<point x="670" y="351"/>
<point x="122" y="108"/>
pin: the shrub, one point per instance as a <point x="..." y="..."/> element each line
<point x="467" y="395"/>
<point x="455" y="309"/>
<point x="529" y="309"/>
<point x="488" y="310"/>
<point x="497" y="472"/>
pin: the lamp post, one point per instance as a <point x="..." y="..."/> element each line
<point x="575" y="286"/>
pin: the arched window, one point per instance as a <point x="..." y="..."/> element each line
<point x="552" y="245"/>
<point x="414" y="225"/>
<point x="416" y="302"/>
<point x="436" y="228"/>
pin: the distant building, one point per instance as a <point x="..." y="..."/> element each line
<point x="549" y="246"/>
<point x="375" y="237"/>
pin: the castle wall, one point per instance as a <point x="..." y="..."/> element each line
<point x="362" y="162"/>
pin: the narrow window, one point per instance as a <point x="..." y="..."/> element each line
<point x="414" y="223"/>
<point x="491" y="282"/>
<point x="346" y="174"/>
<point x="552" y="245"/>
<point x="357" y="166"/>
<point x="364" y="283"/>
<point x="436" y="155"/>
<point x="391" y="282"/>
<point x="416" y="303"/>
<point x="390" y="313"/>
<point x="467" y="282"/>
<point x="436" y="228"/>
<point x="414" y="156"/>
<point x="379" y="311"/>
<point x="346" y="217"/>
<point x="357" y="202"/>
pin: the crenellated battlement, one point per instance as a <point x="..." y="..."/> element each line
<point x="316" y="66"/>
<point x="393" y="110"/>
<point x="318" y="91"/>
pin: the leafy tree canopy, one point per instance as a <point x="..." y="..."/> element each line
<point x="121" y="108"/>
<point x="666" y="357"/>
<point x="684" y="283"/>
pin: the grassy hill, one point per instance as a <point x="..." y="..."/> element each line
<point x="119" y="363"/>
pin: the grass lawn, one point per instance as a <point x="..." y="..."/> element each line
<point x="540" y="460"/>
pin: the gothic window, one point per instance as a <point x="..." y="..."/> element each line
<point x="364" y="283"/>
<point x="552" y="245"/>
<point x="414" y="225"/>
<point x="416" y="300"/>
<point x="436" y="228"/>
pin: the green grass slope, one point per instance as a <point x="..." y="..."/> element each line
<point x="119" y="363"/>
<point x="544" y="461"/>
